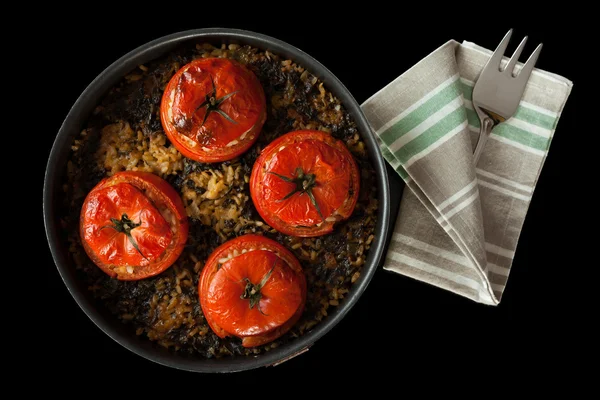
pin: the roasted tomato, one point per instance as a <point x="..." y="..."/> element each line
<point x="213" y="109"/>
<point x="304" y="182"/>
<point x="133" y="225"/>
<point x="253" y="288"/>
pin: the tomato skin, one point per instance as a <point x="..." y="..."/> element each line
<point x="221" y="286"/>
<point x="336" y="188"/>
<point x="112" y="247"/>
<point x="148" y="201"/>
<point x="215" y="138"/>
<point x="227" y="286"/>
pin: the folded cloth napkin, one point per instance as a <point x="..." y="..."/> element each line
<point x="459" y="224"/>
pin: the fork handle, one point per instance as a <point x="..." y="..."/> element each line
<point x="484" y="132"/>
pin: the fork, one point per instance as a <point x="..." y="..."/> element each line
<point x="498" y="91"/>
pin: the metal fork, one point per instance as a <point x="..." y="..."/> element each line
<point x="498" y="91"/>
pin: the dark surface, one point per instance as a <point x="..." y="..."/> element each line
<point x="400" y="322"/>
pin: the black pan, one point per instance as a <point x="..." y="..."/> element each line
<point x="75" y="121"/>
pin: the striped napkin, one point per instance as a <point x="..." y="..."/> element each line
<point x="459" y="224"/>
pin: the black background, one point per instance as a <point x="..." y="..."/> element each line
<point x="398" y="324"/>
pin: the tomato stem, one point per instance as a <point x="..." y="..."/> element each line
<point x="252" y="291"/>
<point x="212" y="104"/>
<point x="125" y="225"/>
<point x="304" y="184"/>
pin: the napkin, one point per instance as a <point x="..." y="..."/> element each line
<point x="459" y="224"/>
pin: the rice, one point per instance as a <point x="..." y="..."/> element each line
<point x="124" y="133"/>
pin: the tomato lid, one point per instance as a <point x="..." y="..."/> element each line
<point x="253" y="293"/>
<point x="124" y="226"/>
<point x="212" y="109"/>
<point x="306" y="182"/>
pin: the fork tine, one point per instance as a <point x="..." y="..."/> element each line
<point x="528" y="67"/>
<point x="515" y="57"/>
<point x="499" y="52"/>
